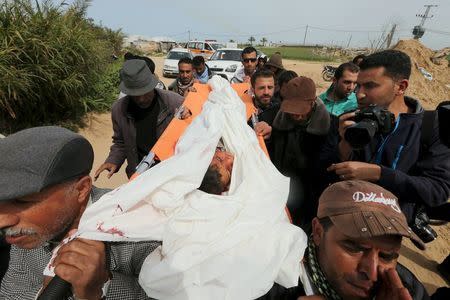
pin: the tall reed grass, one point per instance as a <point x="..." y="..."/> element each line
<point x="52" y="61"/>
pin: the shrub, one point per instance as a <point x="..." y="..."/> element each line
<point x="52" y="60"/>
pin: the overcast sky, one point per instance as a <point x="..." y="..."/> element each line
<point x="330" y="21"/>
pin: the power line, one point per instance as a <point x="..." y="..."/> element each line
<point x="438" y="31"/>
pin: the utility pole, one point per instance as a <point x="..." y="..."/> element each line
<point x="390" y="36"/>
<point x="349" y="40"/>
<point x="306" y="32"/>
<point x="189" y="35"/>
<point x="418" y="30"/>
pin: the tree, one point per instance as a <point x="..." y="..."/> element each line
<point x="251" y="40"/>
<point x="231" y="41"/>
<point x="263" y="41"/>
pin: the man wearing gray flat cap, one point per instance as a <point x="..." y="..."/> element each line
<point x="44" y="189"/>
<point x="139" y="118"/>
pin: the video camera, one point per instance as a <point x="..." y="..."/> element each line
<point x="369" y="121"/>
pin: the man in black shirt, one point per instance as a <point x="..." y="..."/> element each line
<point x="139" y="118"/>
<point x="263" y="87"/>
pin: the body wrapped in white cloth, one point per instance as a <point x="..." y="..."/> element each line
<point x="230" y="246"/>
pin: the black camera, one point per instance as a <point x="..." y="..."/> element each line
<point x="421" y="226"/>
<point x="369" y="121"/>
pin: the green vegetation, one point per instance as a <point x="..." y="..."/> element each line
<point x="297" y="53"/>
<point x="55" y="64"/>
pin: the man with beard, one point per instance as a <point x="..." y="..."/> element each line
<point x="263" y="87"/>
<point x="185" y="80"/>
<point x="354" y="247"/>
<point x="340" y="98"/>
<point x="249" y="61"/>
<point x="45" y="189"/>
<point x="139" y="118"/>
<point x="398" y="160"/>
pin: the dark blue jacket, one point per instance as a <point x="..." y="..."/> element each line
<point x="415" y="174"/>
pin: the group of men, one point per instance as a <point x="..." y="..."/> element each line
<point x="357" y="204"/>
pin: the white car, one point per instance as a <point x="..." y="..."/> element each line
<point x="226" y="61"/>
<point x="170" y="68"/>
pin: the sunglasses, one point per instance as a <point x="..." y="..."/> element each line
<point x="249" y="60"/>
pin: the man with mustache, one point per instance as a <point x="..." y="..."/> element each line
<point x="263" y="88"/>
<point x="340" y="97"/>
<point x="353" y="250"/>
<point x="44" y="189"/>
<point x="185" y="80"/>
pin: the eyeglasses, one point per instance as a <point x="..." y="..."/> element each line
<point x="249" y="60"/>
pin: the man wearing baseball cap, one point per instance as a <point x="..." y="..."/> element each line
<point x="353" y="250"/>
<point x="298" y="132"/>
<point x="44" y="189"/>
<point x="139" y="118"/>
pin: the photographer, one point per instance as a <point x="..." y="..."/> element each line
<point x="386" y="138"/>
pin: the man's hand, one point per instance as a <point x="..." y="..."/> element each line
<point x="263" y="129"/>
<point x="183" y="112"/>
<point x="344" y="147"/>
<point x="189" y="89"/>
<point x="82" y="263"/>
<point x="112" y="168"/>
<point x="351" y="170"/>
<point x="246" y="79"/>
<point x="391" y="286"/>
<point x="345" y="120"/>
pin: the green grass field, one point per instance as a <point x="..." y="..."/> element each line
<point x="297" y="53"/>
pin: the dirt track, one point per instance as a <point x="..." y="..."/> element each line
<point x="422" y="264"/>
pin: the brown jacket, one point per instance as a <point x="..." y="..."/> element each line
<point x="124" y="137"/>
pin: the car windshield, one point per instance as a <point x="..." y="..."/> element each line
<point x="177" y="55"/>
<point x="216" y="46"/>
<point x="227" y="55"/>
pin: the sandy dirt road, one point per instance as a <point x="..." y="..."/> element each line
<point x="421" y="263"/>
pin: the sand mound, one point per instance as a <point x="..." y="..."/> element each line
<point x="429" y="92"/>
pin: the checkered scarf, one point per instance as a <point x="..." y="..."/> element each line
<point x="316" y="274"/>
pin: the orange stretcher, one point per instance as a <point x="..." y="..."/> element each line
<point x="165" y="146"/>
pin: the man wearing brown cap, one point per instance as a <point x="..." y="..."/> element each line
<point x="139" y="118"/>
<point x="298" y="132"/>
<point x="353" y="250"/>
<point x="275" y="64"/>
<point x="45" y="188"/>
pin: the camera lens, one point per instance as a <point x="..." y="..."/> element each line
<point x="360" y="134"/>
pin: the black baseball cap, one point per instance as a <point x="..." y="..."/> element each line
<point x="39" y="157"/>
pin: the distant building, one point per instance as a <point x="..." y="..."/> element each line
<point x="146" y="44"/>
